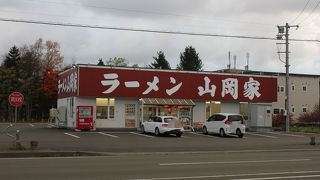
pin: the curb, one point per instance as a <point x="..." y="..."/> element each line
<point x="24" y="154"/>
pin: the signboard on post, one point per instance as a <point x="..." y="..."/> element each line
<point x="16" y="99"/>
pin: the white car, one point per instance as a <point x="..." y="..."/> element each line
<point x="225" y="123"/>
<point x="163" y="125"/>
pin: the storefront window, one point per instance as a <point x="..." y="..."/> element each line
<point x="148" y="112"/>
<point x="212" y="107"/>
<point x="105" y="108"/>
<point x="111" y="108"/>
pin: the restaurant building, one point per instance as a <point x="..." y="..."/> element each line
<point x="96" y="97"/>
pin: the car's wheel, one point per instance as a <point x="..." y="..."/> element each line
<point x="222" y="133"/>
<point x="239" y="134"/>
<point x="157" y="132"/>
<point x="143" y="130"/>
<point x="179" y="134"/>
<point x="204" y="130"/>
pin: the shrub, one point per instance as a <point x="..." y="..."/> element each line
<point x="312" y="117"/>
<point x="279" y="120"/>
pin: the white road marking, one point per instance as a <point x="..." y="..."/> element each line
<point x="282" y="177"/>
<point x="262" y="135"/>
<point x="142" y="135"/>
<point x="110" y="135"/>
<point x="284" y="134"/>
<point x="233" y="162"/>
<point x="31" y="125"/>
<point x="71" y="135"/>
<point x="229" y="175"/>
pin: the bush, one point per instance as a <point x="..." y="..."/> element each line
<point x="311" y="118"/>
<point x="279" y="121"/>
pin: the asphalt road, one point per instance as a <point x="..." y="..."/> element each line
<point x="132" y="155"/>
<point x="250" y="165"/>
<point x="52" y="139"/>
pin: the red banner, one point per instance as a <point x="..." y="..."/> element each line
<point x="68" y="83"/>
<point x="145" y="83"/>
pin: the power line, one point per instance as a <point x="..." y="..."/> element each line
<point x="144" y="30"/>
<point x="301" y="12"/>
<point x="150" y="12"/>
<point x="315" y="7"/>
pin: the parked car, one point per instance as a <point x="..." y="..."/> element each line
<point x="163" y="125"/>
<point x="225" y="123"/>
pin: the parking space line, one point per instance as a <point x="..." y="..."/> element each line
<point x="262" y="135"/>
<point x="71" y="135"/>
<point x="31" y="125"/>
<point x="110" y="135"/>
<point x="141" y="135"/>
<point x="284" y="134"/>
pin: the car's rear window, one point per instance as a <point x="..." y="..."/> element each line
<point x="173" y="121"/>
<point x="170" y="120"/>
<point x="235" y="118"/>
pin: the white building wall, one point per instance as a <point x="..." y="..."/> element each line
<point x="199" y="111"/>
<point x="230" y="107"/>
<point x="70" y="105"/>
<point x="298" y="97"/>
<point x="119" y="115"/>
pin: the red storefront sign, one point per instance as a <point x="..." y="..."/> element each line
<point x="68" y="83"/>
<point x="144" y="83"/>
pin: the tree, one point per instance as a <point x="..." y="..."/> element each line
<point x="12" y="59"/>
<point x="160" y="62"/>
<point x="189" y="60"/>
<point x="52" y="56"/>
<point x="100" y="63"/>
<point x="120" y="62"/>
<point x="34" y="74"/>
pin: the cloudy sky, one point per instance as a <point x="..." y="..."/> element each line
<point x="221" y="17"/>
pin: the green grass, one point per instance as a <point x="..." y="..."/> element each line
<point x="306" y="129"/>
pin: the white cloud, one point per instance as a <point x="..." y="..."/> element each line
<point x="233" y="17"/>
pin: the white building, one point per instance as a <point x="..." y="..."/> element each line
<point x="92" y="97"/>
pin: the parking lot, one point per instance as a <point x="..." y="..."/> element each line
<point x="136" y="142"/>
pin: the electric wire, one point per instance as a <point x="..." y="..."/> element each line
<point x="311" y="13"/>
<point x="305" y="6"/>
<point x="146" y="30"/>
<point x="150" y="12"/>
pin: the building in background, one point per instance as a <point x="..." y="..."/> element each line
<point x="304" y="91"/>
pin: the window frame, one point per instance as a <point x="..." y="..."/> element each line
<point x="110" y="109"/>
<point x="304" y="88"/>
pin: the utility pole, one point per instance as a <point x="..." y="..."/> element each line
<point x="284" y="31"/>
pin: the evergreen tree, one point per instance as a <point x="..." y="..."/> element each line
<point x="160" y="62"/>
<point x="189" y="60"/>
<point x="100" y="63"/>
<point x="12" y="59"/>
